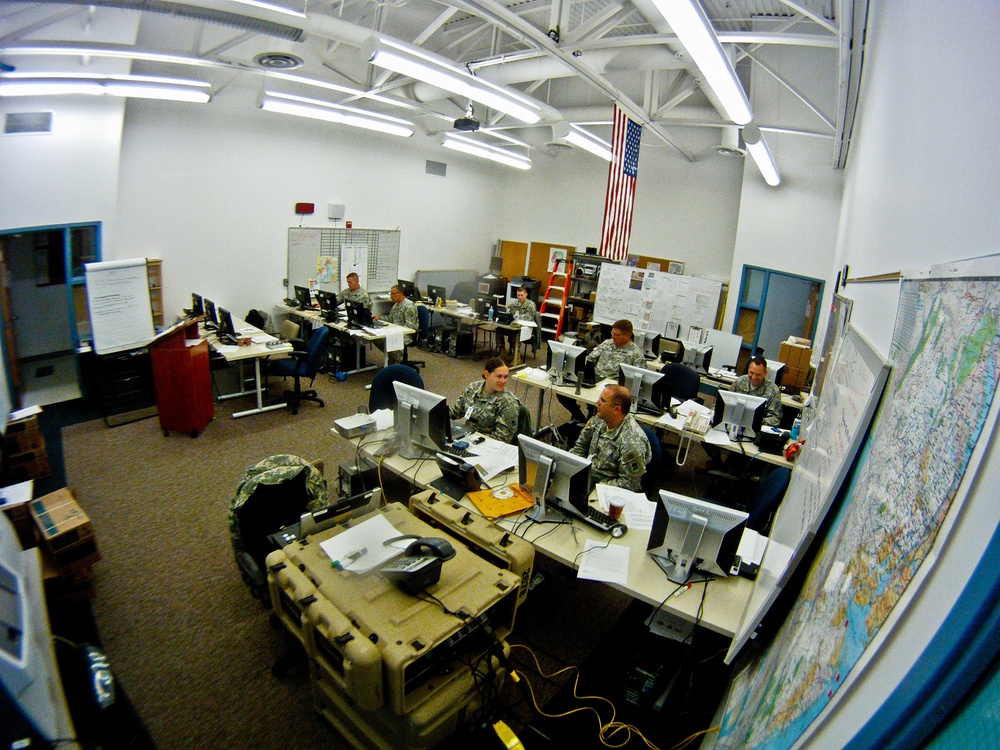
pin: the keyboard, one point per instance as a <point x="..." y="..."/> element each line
<point x="379" y="324"/>
<point x="601" y="520"/>
<point x="458" y="452"/>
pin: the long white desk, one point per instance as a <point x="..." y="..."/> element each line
<point x="725" y="598"/>
<point x="242" y="355"/>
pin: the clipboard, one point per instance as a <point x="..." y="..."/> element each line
<point x="494" y="507"/>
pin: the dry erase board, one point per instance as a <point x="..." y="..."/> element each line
<point x="121" y="316"/>
<point x="328" y="255"/>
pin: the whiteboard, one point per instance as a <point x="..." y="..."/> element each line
<point x="327" y="255"/>
<point x="666" y="303"/>
<point x="121" y="316"/>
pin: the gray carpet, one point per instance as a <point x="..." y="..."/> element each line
<point x="183" y="634"/>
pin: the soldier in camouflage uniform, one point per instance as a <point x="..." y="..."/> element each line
<point x="755" y="383"/>
<point x="614" y="442"/>
<point x="521" y="309"/>
<point x="355" y="292"/>
<point x="403" y="313"/>
<point x="487" y="407"/>
<point x="607" y="356"/>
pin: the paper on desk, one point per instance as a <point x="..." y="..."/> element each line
<point x="262" y="338"/>
<point x="383" y="418"/>
<point x="223" y="348"/>
<point x="248" y="330"/>
<point x="526" y="332"/>
<point x="717" y="436"/>
<point x="394" y="340"/>
<point x="532" y="373"/>
<point x="608" y="564"/>
<point x="16" y="494"/>
<point x="638" y="512"/>
<point x="493" y="458"/>
<point x="27" y="411"/>
<point x="367" y="538"/>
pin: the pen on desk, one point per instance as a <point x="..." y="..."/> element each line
<point x="349" y="558"/>
<point x="681" y="590"/>
<point x="576" y="539"/>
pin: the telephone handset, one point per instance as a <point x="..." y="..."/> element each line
<point x="698" y="423"/>
<point x="420" y="566"/>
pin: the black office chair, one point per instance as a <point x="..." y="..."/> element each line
<point x="383" y="395"/>
<point x="770" y="492"/>
<point x="651" y="479"/>
<point x="302" y="363"/>
<point x="464" y="291"/>
<point x="682" y="381"/>
<point x="523" y="423"/>
<point x="273" y="493"/>
<point x="423" y="331"/>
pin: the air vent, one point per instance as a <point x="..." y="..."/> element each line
<point x="436" y="168"/>
<point x="28" y="122"/>
<point x="278" y="61"/>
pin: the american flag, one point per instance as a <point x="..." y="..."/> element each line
<point x="622" y="172"/>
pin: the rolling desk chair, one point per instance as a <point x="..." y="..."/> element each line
<point x="423" y="329"/>
<point x="650" y="481"/>
<point x="383" y="394"/>
<point x="302" y="363"/>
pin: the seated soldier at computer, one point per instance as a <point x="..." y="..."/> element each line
<point x="521" y="309"/>
<point x="403" y="313"/>
<point x="614" y="442"/>
<point x="486" y="406"/>
<point x="355" y="292"/>
<point x="606" y="357"/>
<point x="755" y="383"/>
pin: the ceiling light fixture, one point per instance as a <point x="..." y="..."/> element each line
<point x="582" y="139"/>
<point x="271" y="7"/>
<point x="138" y="87"/>
<point x="341" y="114"/>
<point x="442" y="73"/>
<point x="757" y="147"/>
<point x="692" y="27"/>
<point x="486" y="151"/>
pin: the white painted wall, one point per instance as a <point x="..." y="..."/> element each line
<point x="921" y="188"/>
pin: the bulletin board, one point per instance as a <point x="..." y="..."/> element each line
<point x="666" y="303"/>
<point x="329" y="254"/>
<point x="121" y="316"/>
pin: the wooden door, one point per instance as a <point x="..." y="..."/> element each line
<point x="514" y="255"/>
<point x="9" y="333"/>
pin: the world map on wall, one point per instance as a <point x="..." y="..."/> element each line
<point x="946" y="351"/>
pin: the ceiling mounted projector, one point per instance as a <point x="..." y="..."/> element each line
<point x="469" y="123"/>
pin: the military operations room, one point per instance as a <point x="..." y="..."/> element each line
<point x="323" y="437"/>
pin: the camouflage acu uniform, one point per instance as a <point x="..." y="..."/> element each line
<point x="494" y="415"/>
<point x="608" y="357"/>
<point x="360" y="295"/>
<point x="274" y="470"/>
<point x="520" y="311"/>
<point x="402" y="314"/>
<point x="767" y="390"/>
<point x="618" y="456"/>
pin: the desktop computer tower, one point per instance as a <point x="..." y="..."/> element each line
<point x="460" y="344"/>
<point x="357" y="477"/>
<point x="440" y="338"/>
<point x="342" y="355"/>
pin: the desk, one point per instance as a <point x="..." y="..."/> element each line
<point x="464" y="315"/>
<point x="243" y="354"/>
<point x="589" y="396"/>
<point x="725" y="600"/>
<point x="723" y="381"/>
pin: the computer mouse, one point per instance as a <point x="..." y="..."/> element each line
<point x="460" y="444"/>
<point x="619" y="531"/>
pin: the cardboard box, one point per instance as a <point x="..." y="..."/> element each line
<point x="66" y="587"/>
<point x="22" y="436"/>
<point x="60" y="520"/>
<point x="794" y="355"/>
<point x="24" y="466"/>
<point x="794" y="376"/>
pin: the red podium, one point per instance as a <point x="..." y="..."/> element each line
<point x="182" y="379"/>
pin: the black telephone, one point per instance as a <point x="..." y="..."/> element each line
<point x="420" y="566"/>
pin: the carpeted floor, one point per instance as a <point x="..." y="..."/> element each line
<point x="184" y="636"/>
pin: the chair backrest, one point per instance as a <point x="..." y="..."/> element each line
<point x="289" y="330"/>
<point x="382" y="394"/>
<point x="423" y="321"/>
<point x="682" y="380"/>
<point x="316" y="349"/>
<point x="523" y="423"/>
<point x="256" y="319"/>
<point x="464" y="291"/>
<point x="770" y="492"/>
<point x="649" y="479"/>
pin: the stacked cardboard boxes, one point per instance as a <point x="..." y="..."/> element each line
<point x="69" y="546"/>
<point x="796" y="353"/>
<point x="24" y="455"/>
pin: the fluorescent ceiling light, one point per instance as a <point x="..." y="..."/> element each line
<point x="441" y="73"/>
<point x="689" y="22"/>
<point x="270" y="6"/>
<point x="757" y="147"/>
<point x="582" y="139"/>
<point x="486" y="151"/>
<point x="341" y="114"/>
<point x="141" y="87"/>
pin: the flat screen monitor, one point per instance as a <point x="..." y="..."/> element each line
<point x="327" y="303"/>
<point x="671" y="350"/>
<point x="555" y="478"/>
<point x="213" y="318"/>
<point x="226" y="327"/>
<point x="742" y="413"/>
<point x="689" y="534"/>
<point x="358" y="315"/>
<point x="197" y="304"/>
<point x="409" y="289"/>
<point x="648" y="341"/>
<point x="650" y="390"/>
<point x="422" y="422"/>
<point x="564" y="361"/>
<point x="303" y="297"/>
<point x="435" y="293"/>
<point x="697" y="356"/>
<point x="725" y="348"/>
<point x="774" y="370"/>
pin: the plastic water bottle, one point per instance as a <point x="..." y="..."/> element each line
<point x="796" y="426"/>
<point x="490" y="315"/>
